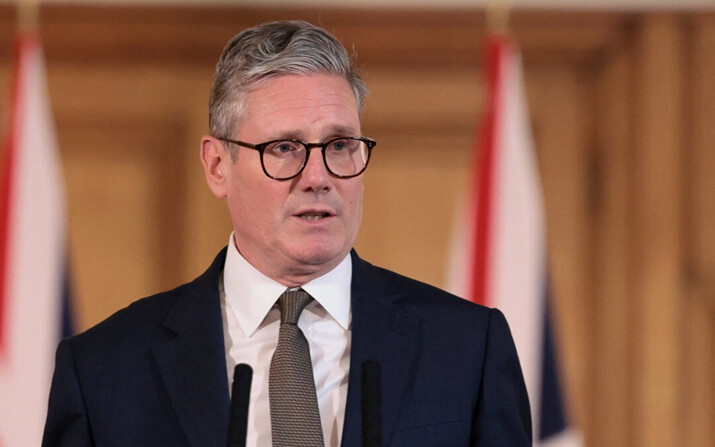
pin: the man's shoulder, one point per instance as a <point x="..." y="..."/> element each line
<point x="144" y="321"/>
<point x="415" y="293"/>
<point x="145" y="312"/>
<point x="442" y="319"/>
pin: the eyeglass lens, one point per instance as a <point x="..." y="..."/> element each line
<point x="344" y="157"/>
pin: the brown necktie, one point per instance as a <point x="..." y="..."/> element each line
<point x="295" y="417"/>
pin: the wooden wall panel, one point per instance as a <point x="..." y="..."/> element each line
<point x="702" y="240"/>
<point x="115" y="252"/>
<point x="658" y="194"/>
<point x="419" y="186"/>
<point x="123" y="134"/>
<point x="4" y="94"/>
<point x="424" y="123"/>
<point x="610" y="376"/>
<point x="700" y="311"/>
<point x="559" y="110"/>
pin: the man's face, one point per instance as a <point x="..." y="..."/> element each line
<point x="297" y="229"/>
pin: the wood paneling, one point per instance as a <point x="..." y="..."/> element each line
<point x="440" y="37"/>
<point x="559" y="110"/>
<point x="699" y="331"/>
<point x="621" y="106"/>
<point x="702" y="240"/>
<point x="657" y="201"/>
<point x="424" y="121"/>
<point x="611" y="368"/>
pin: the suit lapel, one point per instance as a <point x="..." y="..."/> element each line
<point x="192" y="364"/>
<point x="384" y="332"/>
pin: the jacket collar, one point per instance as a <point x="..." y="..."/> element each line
<point x="192" y="364"/>
<point x="385" y="332"/>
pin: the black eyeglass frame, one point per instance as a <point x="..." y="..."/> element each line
<point x="370" y="143"/>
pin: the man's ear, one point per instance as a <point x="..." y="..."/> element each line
<point x="216" y="160"/>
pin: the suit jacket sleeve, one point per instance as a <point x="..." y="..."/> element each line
<point x="66" y="424"/>
<point x="503" y="416"/>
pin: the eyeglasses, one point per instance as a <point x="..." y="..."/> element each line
<point x="344" y="157"/>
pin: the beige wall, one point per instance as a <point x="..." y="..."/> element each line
<point x="621" y="107"/>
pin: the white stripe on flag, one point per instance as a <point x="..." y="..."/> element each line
<point x="516" y="283"/>
<point x="36" y="244"/>
<point x="515" y="277"/>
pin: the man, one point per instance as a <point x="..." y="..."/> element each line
<point x="287" y="153"/>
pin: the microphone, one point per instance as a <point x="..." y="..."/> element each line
<point x="371" y="404"/>
<point x="240" y="397"/>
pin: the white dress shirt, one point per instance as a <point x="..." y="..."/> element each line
<point x="250" y="325"/>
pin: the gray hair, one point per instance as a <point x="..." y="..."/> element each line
<point x="269" y="50"/>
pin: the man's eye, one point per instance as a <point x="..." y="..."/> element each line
<point x="283" y="148"/>
<point x="339" y="145"/>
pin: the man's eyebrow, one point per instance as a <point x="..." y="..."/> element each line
<point x="345" y="131"/>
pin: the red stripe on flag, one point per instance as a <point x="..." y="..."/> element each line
<point x="7" y="196"/>
<point x="485" y="174"/>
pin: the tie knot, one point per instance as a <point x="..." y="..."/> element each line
<point x="291" y="304"/>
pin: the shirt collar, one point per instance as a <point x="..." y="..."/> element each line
<point x="250" y="294"/>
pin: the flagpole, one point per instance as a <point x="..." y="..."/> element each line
<point x="28" y="16"/>
<point x="498" y="15"/>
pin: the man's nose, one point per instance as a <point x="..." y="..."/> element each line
<point x="315" y="174"/>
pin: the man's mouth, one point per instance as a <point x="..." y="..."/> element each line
<point x="311" y="215"/>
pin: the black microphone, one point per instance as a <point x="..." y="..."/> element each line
<point x="371" y="404"/>
<point x="240" y="397"/>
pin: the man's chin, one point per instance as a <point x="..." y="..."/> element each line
<point x="320" y="257"/>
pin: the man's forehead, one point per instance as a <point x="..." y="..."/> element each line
<point x="288" y="104"/>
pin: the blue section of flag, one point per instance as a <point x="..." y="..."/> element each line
<point x="552" y="411"/>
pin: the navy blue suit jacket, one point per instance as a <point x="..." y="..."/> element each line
<point x="154" y="374"/>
